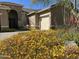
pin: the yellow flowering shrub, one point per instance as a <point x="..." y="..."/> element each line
<point x="36" y="45"/>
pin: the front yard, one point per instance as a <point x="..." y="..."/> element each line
<point x="51" y="44"/>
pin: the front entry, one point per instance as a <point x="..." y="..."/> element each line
<point x="13" y="19"/>
<point x="45" y="23"/>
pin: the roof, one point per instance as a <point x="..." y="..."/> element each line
<point x="28" y="10"/>
<point x="44" y="9"/>
<point x="31" y="13"/>
<point x="4" y="7"/>
<point x="11" y="3"/>
<point x="51" y="6"/>
<point x="48" y="8"/>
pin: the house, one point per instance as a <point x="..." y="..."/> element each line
<point x="55" y="16"/>
<point x="13" y="16"/>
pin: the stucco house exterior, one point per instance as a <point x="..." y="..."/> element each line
<point x="14" y="16"/>
<point x="52" y="17"/>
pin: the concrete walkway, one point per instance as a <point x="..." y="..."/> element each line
<point x="9" y="34"/>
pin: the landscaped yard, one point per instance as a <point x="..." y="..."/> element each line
<point x="51" y="44"/>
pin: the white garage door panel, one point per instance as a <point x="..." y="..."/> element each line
<point x="45" y="23"/>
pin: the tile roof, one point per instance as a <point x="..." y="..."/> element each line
<point x="11" y="3"/>
<point x="28" y="10"/>
<point x="4" y="7"/>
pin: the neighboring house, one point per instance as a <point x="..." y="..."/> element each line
<point x="55" y="16"/>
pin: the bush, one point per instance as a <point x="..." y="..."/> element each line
<point x="36" y="45"/>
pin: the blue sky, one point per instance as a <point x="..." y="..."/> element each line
<point x="28" y="3"/>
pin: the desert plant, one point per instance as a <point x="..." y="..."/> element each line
<point x="36" y="45"/>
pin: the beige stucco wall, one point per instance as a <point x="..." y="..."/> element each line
<point x="45" y="21"/>
<point x="4" y="19"/>
<point x="32" y="20"/>
<point x="19" y="12"/>
<point x="44" y="14"/>
<point x="4" y="16"/>
<point x="24" y="18"/>
<point x="35" y="19"/>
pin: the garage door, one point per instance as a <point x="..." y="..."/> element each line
<point x="45" y="23"/>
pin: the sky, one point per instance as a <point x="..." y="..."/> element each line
<point x="28" y="3"/>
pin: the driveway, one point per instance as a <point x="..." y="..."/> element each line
<point x="9" y="34"/>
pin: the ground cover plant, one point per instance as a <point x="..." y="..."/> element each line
<point x="40" y="45"/>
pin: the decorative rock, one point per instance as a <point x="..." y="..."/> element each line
<point x="71" y="47"/>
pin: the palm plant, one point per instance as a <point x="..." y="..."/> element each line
<point x="45" y="2"/>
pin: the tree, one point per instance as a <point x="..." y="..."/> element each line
<point x="67" y="3"/>
<point x="45" y="2"/>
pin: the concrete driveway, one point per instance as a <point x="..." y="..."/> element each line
<point x="9" y="34"/>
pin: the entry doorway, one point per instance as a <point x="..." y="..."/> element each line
<point x="13" y="19"/>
